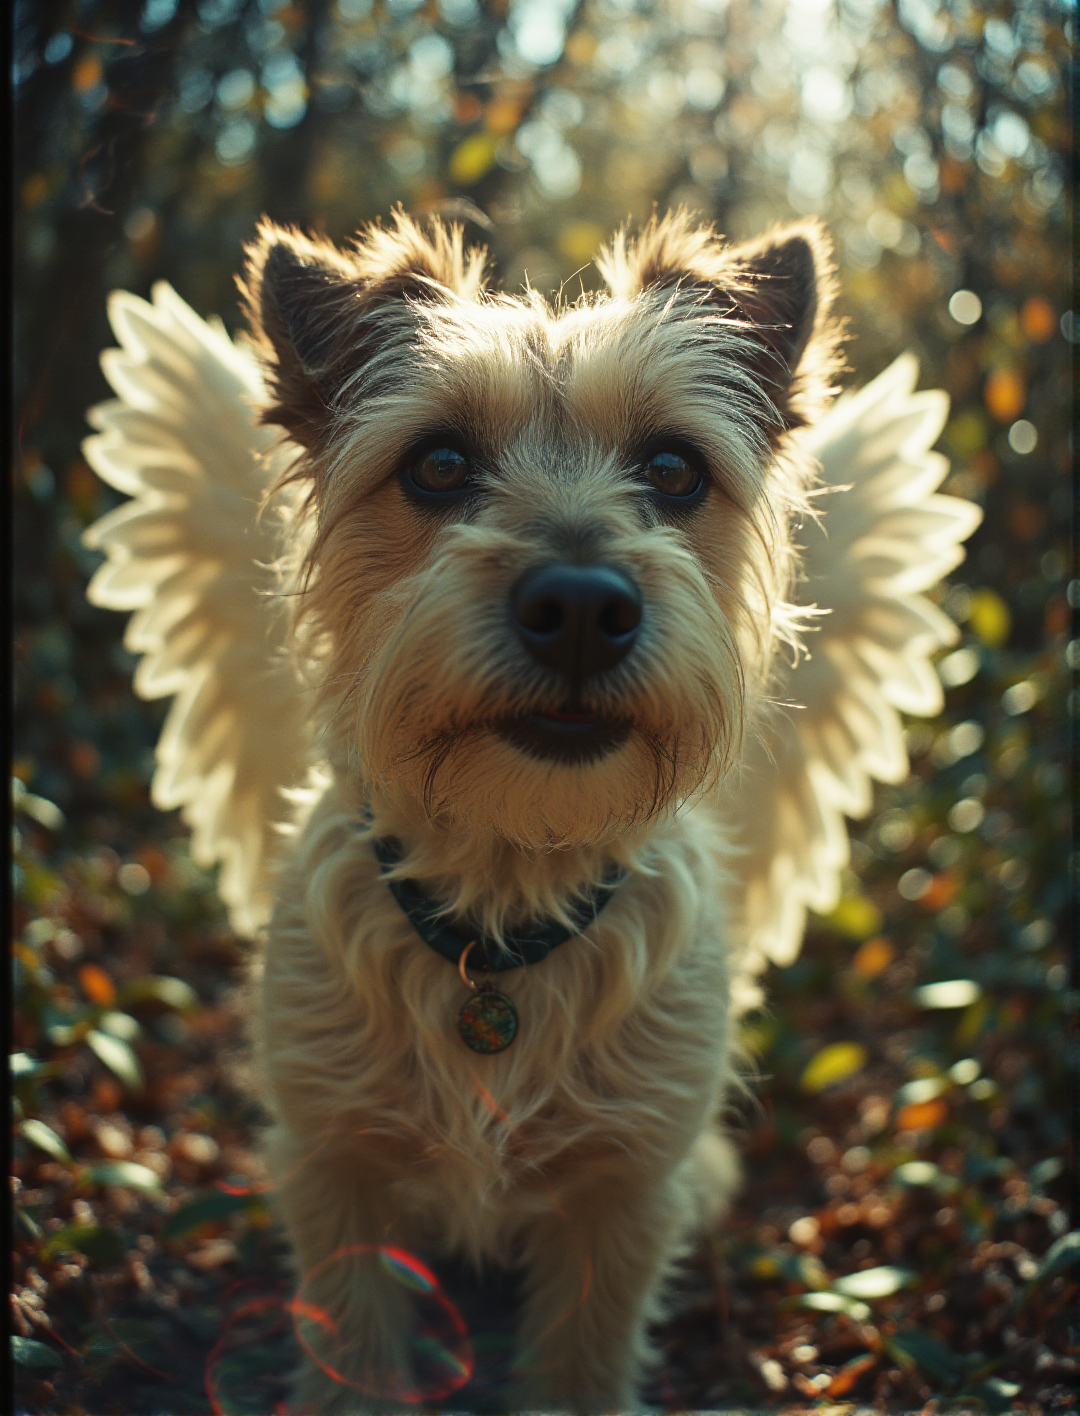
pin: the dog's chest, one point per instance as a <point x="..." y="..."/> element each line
<point x="513" y="1130"/>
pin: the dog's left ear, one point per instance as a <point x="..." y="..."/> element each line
<point x="778" y="289"/>
<point x="319" y="313"/>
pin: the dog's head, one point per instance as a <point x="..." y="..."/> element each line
<point x="552" y="545"/>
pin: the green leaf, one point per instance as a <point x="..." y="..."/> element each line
<point x="28" y="1353"/>
<point x="994" y="1393"/>
<point x="833" y="1303"/>
<point x="104" y="1246"/>
<point x="121" y="1025"/>
<point x="46" y="1139"/>
<point x="119" y="1340"/>
<point x="1045" y="1171"/>
<point x="28" y="1224"/>
<point x="22" y="1066"/>
<point x="118" y="1057"/>
<point x="158" y="988"/>
<point x="916" y="1347"/>
<point x="921" y="1089"/>
<point x="924" y="1172"/>
<point x="951" y="993"/>
<point x="204" y="1210"/>
<point x="873" y="1282"/>
<point x="917" y="1172"/>
<point x="1061" y="1254"/>
<point x="124" y="1173"/>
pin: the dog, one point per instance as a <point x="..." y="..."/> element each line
<point x="526" y="660"/>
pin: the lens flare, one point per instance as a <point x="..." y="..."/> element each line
<point x="431" y="1363"/>
<point x="248" y="1367"/>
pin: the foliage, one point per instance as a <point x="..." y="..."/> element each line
<point x="902" y="1232"/>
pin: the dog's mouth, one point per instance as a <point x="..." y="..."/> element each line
<point x="567" y="735"/>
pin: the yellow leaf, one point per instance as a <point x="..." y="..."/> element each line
<point x="833" y="1064"/>
<point x="966" y="434"/>
<point x="472" y="158"/>
<point x="989" y="617"/>
<point x="856" y="916"/>
<point x="578" y="240"/>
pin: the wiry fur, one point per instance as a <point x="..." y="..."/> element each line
<point x="587" y="1151"/>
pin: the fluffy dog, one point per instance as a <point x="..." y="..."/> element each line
<point x="531" y="571"/>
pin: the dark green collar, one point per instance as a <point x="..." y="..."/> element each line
<point x="528" y="945"/>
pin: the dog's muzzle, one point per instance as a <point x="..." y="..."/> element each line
<point x="577" y="621"/>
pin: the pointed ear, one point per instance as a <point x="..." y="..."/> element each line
<point x="318" y="313"/>
<point x="780" y="289"/>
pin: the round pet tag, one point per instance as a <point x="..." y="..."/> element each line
<point x="488" y="1021"/>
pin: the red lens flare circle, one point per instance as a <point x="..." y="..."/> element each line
<point x="432" y="1362"/>
<point x="248" y="1333"/>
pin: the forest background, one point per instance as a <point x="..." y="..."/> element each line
<point x="903" y="1235"/>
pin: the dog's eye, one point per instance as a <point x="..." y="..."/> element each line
<point x="443" y="469"/>
<point x="672" y="474"/>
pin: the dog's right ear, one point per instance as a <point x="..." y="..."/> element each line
<point x="318" y="313"/>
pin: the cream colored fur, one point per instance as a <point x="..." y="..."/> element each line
<point x="590" y="1151"/>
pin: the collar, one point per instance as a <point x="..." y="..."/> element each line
<point x="530" y="944"/>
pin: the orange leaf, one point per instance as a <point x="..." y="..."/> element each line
<point x="1005" y="394"/>
<point x="86" y="73"/>
<point x="502" y="115"/>
<point x="849" y="1374"/>
<point x="97" y="985"/>
<point x="921" y="1115"/>
<point x="942" y="888"/>
<point x="873" y="957"/>
<point x="1037" y="319"/>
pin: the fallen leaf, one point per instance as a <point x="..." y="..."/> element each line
<point x="831" y="1065"/>
<point x="951" y="993"/>
<point x="126" y="1173"/>
<point x="850" y="1373"/>
<point x="873" y="1282"/>
<point x="97" y="985"/>
<point x="117" y="1056"/>
<point x="28" y="1353"/>
<point x="921" y="1115"/>
<point x="45" y="1138"/>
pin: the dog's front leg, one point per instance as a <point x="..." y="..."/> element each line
<point x="353" y="1319"/>
<point x="592" y="1276"/>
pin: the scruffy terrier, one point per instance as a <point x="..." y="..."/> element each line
<point x="539" y="565"/>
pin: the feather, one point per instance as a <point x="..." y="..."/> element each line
<point x="193" y="557"/>
<point x="193" y="554"/>
<point x="883" y="536"/>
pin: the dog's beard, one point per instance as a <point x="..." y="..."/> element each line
<point x="475" y="778"/>
<point x="445" y="734"/>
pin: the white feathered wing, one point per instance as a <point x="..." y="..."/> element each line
<point x="884" y="535"/>
<point x="194" y="559"/>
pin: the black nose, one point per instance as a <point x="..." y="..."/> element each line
<point x="577" y="619"/>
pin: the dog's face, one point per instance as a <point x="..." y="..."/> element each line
<point x="551" y="545"/>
